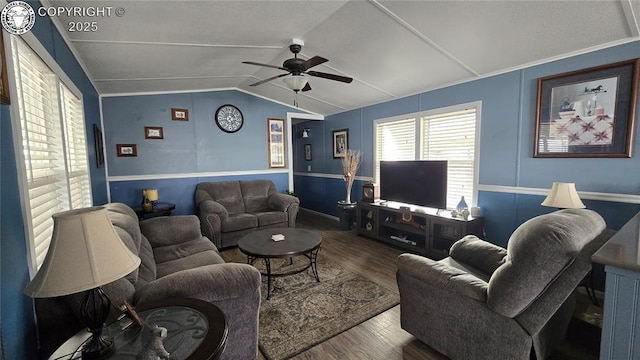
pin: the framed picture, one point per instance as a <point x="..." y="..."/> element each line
<point x="179" y="114"/>
<point x="587" y="113"/>
<point x="340" y="143"/>
<point x="307" y="152"/>
<point x="4" y="80"/>
<point x="130" y="150"/>
<point x="152" y="132"/>
<point x="98" y="144"/>
<point x="277" y="150"/>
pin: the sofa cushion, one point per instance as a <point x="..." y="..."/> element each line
<point x="271" y="217"/>
<point x="227" y="193"/>
<point x="237" y="222"/>
<point x="187" y="255"/>
<point x="255" y="194"/>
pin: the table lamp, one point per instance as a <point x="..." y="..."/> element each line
<point x="563" y="196"/>
<point x="149" y="199"/>
<point x="85" y="253"/>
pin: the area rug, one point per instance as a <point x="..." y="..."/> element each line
<point x="302" y="313"/>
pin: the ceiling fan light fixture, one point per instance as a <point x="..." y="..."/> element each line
<point x="295" y="82"/>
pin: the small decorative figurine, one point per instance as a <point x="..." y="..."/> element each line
<point x="153" y="348"/>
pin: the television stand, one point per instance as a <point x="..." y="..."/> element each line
<point x="425" y="231"/>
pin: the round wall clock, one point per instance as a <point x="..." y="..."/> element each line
<point x="229" y="118"/>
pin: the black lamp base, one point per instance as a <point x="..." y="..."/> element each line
<point x="94" y="310"/>
<point x="98" y="347"/>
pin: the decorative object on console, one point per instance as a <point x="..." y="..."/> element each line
<point x="149" y="199"/>
<point x="179" y="114"/>
<point x="563" y="196"/>
<point x="580" y="113"/>
<point x="370" y="192"/>
<point x="462" y="205"/>
<point x="85" y="253"/>
<point x="350" y="164"/>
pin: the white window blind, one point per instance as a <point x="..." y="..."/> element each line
<point x="395" y="140"/>
<point x="53" y="147"/>
<point x="448" y="135"/>
<point x="451" y="136"/>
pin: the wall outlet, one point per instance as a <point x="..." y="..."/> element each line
<point x="308" y="167"/>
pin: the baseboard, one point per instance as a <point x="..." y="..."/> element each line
<point x="335" y="218"/>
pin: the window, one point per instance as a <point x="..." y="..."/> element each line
<point x="443" y="134"/>
<point x="52" y="147"/>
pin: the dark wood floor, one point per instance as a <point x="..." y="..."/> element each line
<point x="380" y="337"/>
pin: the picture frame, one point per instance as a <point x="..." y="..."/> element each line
<point x="587" y="113"/>
<point x="340" y="143"/>
<point x="98" y="145"/>
<point x="153" y="132"/>
<point x="307" y="152"/>
<point x="178" y="114"/>
<point x="127" y="150"/>
<point x="4" y="79"/>
<point x="276" y="143"/>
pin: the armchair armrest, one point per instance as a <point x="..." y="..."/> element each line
<point x="478" y="253"/>
<point x="442" y="275"/>
<point x="213" y="283"/>
<point x="170" y="230"/>
<point x="281" y="202"/>
<point x="207" y="207"/>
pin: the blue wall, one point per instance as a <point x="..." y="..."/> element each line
<point x="506" y="148"/>
<point x="18" y="325"/>
<point x="192" y="151"/>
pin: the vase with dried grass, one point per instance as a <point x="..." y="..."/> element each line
<point x="350" y="164"/>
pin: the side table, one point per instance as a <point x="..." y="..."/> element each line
<point x="161" y="209"/>
<point x="196" y="330"/>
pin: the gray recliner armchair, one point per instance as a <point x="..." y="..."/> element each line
<point x="176" y="262"/>
<point x="487" y="302"/>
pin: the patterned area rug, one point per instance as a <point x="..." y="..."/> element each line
<point x="302" y="313"/>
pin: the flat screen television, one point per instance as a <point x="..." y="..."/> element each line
<point x="419" y="182"/>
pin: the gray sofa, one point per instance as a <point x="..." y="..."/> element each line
<point x="229" y="210"/>
<point x="176" y="261"/>
<point x="487" y="302"/>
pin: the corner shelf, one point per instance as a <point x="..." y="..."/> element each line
<point x="427" y="233"/>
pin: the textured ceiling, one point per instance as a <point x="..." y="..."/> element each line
<point x="390" y="48"/>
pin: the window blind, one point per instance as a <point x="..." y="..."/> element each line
<point x="53" y="148"/>
<point x="451" y="136"/>
<point x="395" y="140"/>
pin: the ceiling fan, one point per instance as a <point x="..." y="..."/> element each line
<point x="297" y="68"/>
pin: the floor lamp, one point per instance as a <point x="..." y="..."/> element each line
<point x="85" y="253"/>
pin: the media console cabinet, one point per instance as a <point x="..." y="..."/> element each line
<point x="417" y="229"/>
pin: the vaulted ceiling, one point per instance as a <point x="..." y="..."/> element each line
<point x="390" y="48"/>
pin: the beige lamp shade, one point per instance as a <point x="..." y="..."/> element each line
<point x="152" y="194"/>
<point x="563" y="196"/>
<point x="85" y="253"/>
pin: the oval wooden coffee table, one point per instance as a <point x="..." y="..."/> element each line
<point x="259" y="245"/>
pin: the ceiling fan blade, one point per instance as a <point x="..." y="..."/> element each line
<point x="268" y="79"/>
<point x="316" y="60"/>
<point x="330" y="76"/>
<point x="267" y="65"/>
<point x="306" y="87"/>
